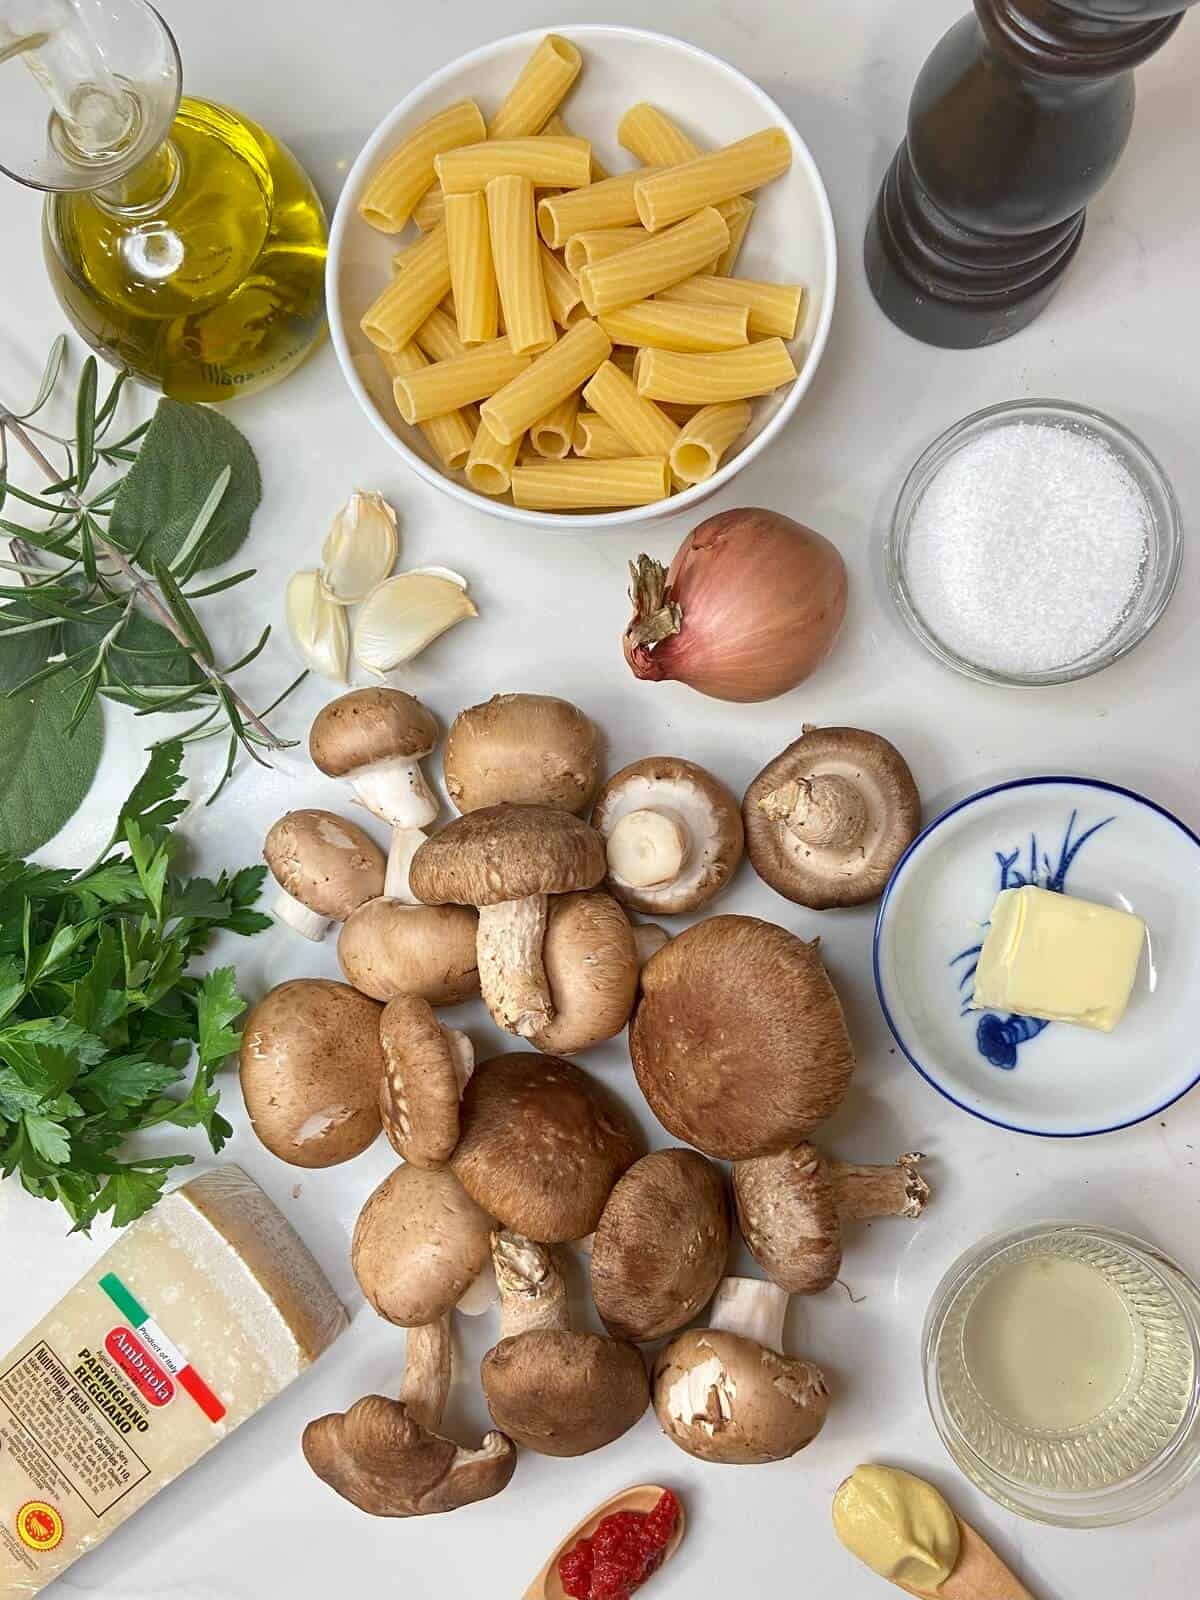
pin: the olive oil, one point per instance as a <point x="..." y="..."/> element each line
<point x="202" y="269"/>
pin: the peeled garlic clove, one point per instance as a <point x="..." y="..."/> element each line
<point x="406" y="613"/>
<point x="318" y="628"/>
<point x="359" y="549"/>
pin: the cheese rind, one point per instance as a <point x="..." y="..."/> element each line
<point x="1058" y="958"/>
<point x="200" y="1312"/>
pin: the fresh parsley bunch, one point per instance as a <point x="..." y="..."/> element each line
<point x="99" y="1016"/>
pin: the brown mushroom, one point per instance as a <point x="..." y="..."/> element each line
<point x="739" y="1042"/>
<point x="375" y="739"/>
<point x="522" y="749"/>
<point x="791" y="1207"/>
<point x="541" y="1145"/>
<point x="311" y="1066"/>
<point x="661" y="1245"/>
<point x="552" y="1390"/>
<point x="725" y="1393"/>
<point x="419" y="1244"/>
<point x="426" y="1068"/>
<point x="672" y="833"/>
<point x="387" y="949"/>
<point x="506" y="860"/>
<point x="591" y="963"/>
<point x="325" y="868"/>
<point x="387" y="1457"/>
<point x="828" y="819"/>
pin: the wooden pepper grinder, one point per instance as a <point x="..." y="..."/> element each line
<point x="1016" y="121"/>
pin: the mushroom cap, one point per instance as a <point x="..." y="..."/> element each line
<point x="739" y="1042"/>
<point x="418" y="1098"/>
<point x="592" y="967"/>
<point x="506" y="853"/>
<point x="419" y="1243"/>
<point x="707" y="807"/>
<point x="661" y="1245"/>
<point x="724" y="1398"/>
<point x="562" y="1393"/>
<point x="787" y="1211"/>
<point x="328" y="864"/>
<point x="387" y="948"/>
<point x="541" y="1145"/>
<point x="383" y="1461"/>
<point x="310" y="1071"/>
<point x="823" y="876"/>
<point x="369" y="725"/>
<point x="523" y="749"/>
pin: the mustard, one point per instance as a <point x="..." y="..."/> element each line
<point x="898" y="1525"/>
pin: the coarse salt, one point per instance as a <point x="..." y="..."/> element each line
<point x="1027" y="547"/>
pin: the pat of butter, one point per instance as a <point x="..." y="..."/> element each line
<point x="1057" y="958"/>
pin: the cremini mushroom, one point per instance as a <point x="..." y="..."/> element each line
<point x="791" y="1207"/>
<point x="738" y="1041"/>
<point x="661" y="1245"/>
<point x="591" y="963"/>
<point x="419" y="1244"/>
<point x="426" y="1068"/>
<point x="375" y="739"/>
<point x="387" y="948"/>
<point x="725" y="1393"/>
<point x="672" y="834"/>
<point x="325" y="867"/>
<point x="505" y="860"/>
<point x="541" y="1145"/>
<point x="828" y="819"/>
<point x="552" y="1390"/>
<point x="387" y="1457"/>
<point x="522" y="749"/>
<point x="311" y="1066"/>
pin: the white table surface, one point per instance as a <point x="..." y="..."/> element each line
<point x="1122" y="335"/>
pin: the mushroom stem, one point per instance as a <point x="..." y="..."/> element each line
<point x="426" y="1384"/>
<point x="863" y="1192"/>
<point x="751" y="1307"/>
<point x="396" y="791"/>
<point x="405" y="844"/>
<point x="648" y="847"/>
<point x="826" y="811"/>
<point x="512" y="978"/>
<point x="310" y="924"/>
<point x="463" y="1052"/>
<point x="648" y="940"/>
<point x="532" y="1293"/>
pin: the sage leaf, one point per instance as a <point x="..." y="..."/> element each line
<point x="44" y="775"/>
<point x="23" y="654"/>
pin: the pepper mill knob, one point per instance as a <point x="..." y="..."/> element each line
<point x="1016" y="121"/>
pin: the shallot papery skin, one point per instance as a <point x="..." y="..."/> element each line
<point x="749" y="608"/>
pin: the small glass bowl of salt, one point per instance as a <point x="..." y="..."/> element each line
<point x="1033" y="543"/>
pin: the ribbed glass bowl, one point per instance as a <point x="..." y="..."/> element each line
<point x="1128" y="1460"/>
<point x="1164" y="534"/>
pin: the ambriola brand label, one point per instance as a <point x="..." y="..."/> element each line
<point x="162" y="1356"/>
<point x="136" y="1362"/>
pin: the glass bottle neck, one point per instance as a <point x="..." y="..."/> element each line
<point x="149" y="185"/>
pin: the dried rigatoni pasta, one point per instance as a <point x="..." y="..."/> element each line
<point x="438" y="336"/>
<point x="516" y="253"/>
<point x="774" y="307"/>
<point x="613" y="396"/>
<point x="553" y="434"/>
<point x="578" y="485"/>
<point x="651" y="136"/>
<point x="413" y="293"/>
<point x="406" y="252"/>
<point x="562" y="290"/>
<point x="706" y="380"/>
<point x="675" y="325"/>
<point x="646" y="269"/>
<point x="666" y="196"/>
<point x="558" y="129"/>
<point x="597" y="439"/>
<point x="539" y="90"/>
<point x="550" y="378"/>
<point x="399" y="182"/>
<point x="472" y="272"/>
<point x="705" y="438"/>
<point x="450" y="435"/>
<point x="490" y="463"/>
<point x="430" y="209"/>
<point x="610" y="204"/>
<point x="600" y="243"/>
<point x="457" y="382"/>
<point x="738" y="216"/>
<point x="547" y="163"/>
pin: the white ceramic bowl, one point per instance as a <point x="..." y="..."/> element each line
<point x="1090" y="839"/>
<point x="791" y="239"/>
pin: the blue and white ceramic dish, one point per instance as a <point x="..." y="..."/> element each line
<point x="1090" y="839"/>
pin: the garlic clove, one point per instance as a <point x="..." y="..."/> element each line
<point x="407" y="613"/>
<point x="359" y="549"/>
<point x="318" y="628"/>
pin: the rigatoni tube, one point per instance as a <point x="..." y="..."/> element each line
<point x="597" y="439"/>
<point x="696" y="453"/>
<point x="438" y="336"/>
<point x="490" y="463"/>
<point x="677" y="253"/>
<point x="676" y="326"/>
<point x="449" y="435"/>
<point x="709" y="379"/>
<point x="551" y="377"/>
<point x="516" y="253"/>
<point x="597" y="244"/>
<point x="399" y="182"/>
<point x="591" y="485"/>
<point x="666" y="196"/>
<point x="553" y="434"/>
<point x="472" y="272"/>
<point x="457" y="382"/>
<point x="651" y="136"/>
<point x="610" y="204"/>
<point x="774" y="307"/>
<point x="562" y="291"/>
<point x="613" y="396"/>
<point x="539" y="89"/>
<point x="403" y="306"/>
<point x="547" y="163"/>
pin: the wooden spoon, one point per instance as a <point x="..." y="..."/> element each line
<point x="979" y="1574"/>
<point x="643" y="1497"/>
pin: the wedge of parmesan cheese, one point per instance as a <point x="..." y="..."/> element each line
<point x="201" y="1312"/>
